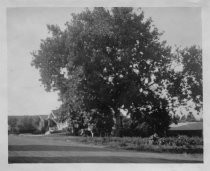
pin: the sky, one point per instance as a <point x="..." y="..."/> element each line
<point x="27" y="26"/>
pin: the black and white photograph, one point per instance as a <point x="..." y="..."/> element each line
<point x="101" y="84"/>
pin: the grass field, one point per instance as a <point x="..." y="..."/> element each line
<point x="62" y="149"/>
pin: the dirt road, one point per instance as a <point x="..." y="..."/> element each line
<point x="42" y="149"/>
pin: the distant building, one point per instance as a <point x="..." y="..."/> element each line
<point x="54" y="125"/>
<point x="187" y="128"/>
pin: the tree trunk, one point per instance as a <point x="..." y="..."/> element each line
<point x="118" y="123"/>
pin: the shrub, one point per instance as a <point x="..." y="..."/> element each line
<point x="180" y="141"/>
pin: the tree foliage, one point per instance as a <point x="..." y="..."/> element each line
<point x="26" y="124"/>
<point x="186" y="84"/>
<point x="106" y="60"/>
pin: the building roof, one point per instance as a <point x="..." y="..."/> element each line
<point x="187" y="126"/>
<point x="44" y="116"/>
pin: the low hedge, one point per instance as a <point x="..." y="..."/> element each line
<point x="180" y="144"/>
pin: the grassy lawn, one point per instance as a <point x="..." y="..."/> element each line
<point x="68" y="149"/>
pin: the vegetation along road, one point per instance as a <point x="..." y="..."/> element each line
<point x="55" y="149"/>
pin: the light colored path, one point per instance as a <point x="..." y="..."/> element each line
<point x="24" y="149"/>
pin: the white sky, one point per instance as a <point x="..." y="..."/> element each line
<point x="26" y="26"/>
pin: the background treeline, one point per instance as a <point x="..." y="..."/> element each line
<point x="25" y="124"/>
<point x="32" y="125"/>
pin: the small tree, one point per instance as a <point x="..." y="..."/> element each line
<point x="12" y="122"/>
<point x="186" y="84"/>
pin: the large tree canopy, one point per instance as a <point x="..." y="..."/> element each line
<point x="107" y="60"/>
